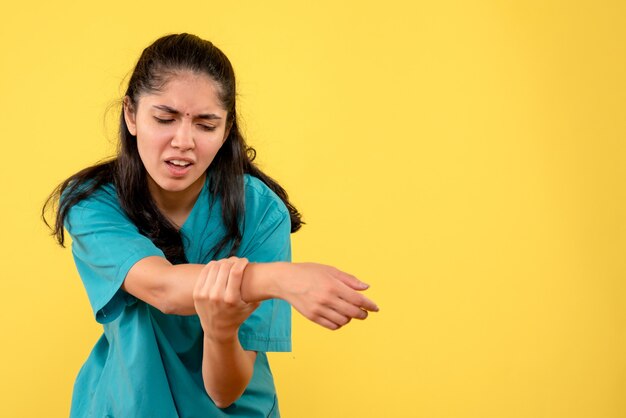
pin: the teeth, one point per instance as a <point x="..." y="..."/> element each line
<point x="180" y="163"/>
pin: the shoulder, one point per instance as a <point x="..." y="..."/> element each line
<point x="103" y="203"/>
<point x="261" y="200"/>
<point x="267" y="224"/>
<point x="257" y="189"/>
<point x="104" y="194"/>
<point x="104" y="197"/>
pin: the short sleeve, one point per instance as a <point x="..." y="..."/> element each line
<point x="105" y="245"/>
<point x="269" y="326"/>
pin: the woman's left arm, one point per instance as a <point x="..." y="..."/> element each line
<point x="226" y="367"/>
<point x="323" y="294"/>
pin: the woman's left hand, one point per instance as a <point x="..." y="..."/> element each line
<point x="217" y="299"/>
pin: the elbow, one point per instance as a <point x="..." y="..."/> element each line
<point x="168" y="302"/>
<point x="223" y="399"/>
<point x="165" y="302"/>
<point x="169" y="306"/>
<point x="166" y="307"/>
<point x="223" y="402"/>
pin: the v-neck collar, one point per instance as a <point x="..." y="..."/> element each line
<point x="196" y="205"/>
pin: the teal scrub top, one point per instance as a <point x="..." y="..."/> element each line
<point x="146" y="363"/>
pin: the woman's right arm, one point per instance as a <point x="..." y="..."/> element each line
<point x="323" y="294"/>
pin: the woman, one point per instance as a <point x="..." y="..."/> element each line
<point x="183" y="246"/>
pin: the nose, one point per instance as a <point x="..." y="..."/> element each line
<point x="183" y="139"/>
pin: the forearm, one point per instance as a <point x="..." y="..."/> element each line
<point x="226" y="369"/>
<point x="321" y="293"/>
<point x="258" y="284"/>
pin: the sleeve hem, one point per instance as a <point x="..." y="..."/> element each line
<point x="112" y="304"/>
<point x="259" y="343"/>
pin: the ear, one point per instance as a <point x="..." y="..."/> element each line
<point x="129" y="116"/>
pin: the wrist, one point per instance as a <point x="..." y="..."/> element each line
<point x="223" y="338"/>
<point x="276" y="276"/>
<point x="264" y="281"/>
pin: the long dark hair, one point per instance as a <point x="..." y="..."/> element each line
<point x="158" y="62"/>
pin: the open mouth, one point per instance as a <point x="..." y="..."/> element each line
<point x="178" y="163"/>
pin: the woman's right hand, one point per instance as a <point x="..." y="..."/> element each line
<point x="324" y="294"/>
<point x="217" y="298"/>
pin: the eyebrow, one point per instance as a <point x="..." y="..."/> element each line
<point x="173" y="111"/>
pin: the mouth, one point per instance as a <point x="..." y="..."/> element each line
<point x="179" y="163"/>
<point x="177" y="167"/>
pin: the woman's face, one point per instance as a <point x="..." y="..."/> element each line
<point x="179" y="131"/>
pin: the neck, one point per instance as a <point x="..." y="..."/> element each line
<point x="176" y="205"/>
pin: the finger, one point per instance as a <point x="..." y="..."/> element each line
<point x="349" y="310"/>
<point x="358" y="299"/>
<point x="335" y="317"/>
<point x="201" y="280"/>
<point x="209" y="283"/>
<point x="221" y="280"/>
<point x="326" y="323"/>
<point x="232" y="293"/>
<point x="350" y="281"/>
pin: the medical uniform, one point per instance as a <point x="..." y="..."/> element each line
<point x="149" y="364"/>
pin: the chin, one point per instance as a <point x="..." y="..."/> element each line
<point x="175" y="186"/>
<point x="178" y="185"/>
<point x="169" y="184"/>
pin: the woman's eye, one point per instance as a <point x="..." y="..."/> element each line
<point x="163" y="120"/>
<point x="207" y="128"/>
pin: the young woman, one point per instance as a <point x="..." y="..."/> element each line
<point x="183" y="246"/>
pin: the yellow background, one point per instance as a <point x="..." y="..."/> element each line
<point x="466" y="158"/>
